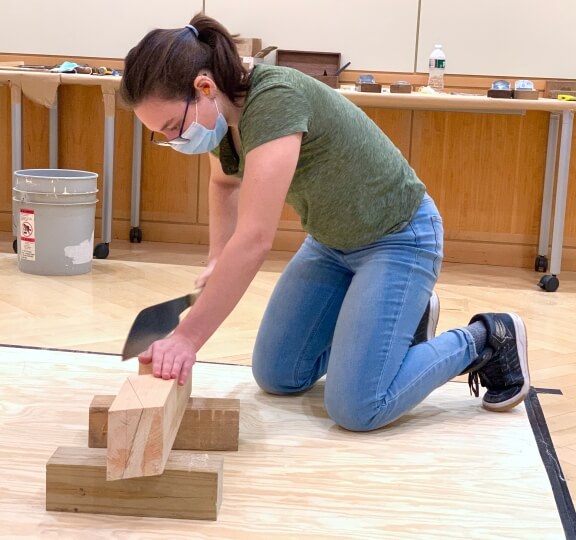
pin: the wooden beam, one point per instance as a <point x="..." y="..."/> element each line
<point x="142" y="424"/>
<point x="208" y="424"/>
<point x="144" y="369"/>
<point x="190" y="488"/>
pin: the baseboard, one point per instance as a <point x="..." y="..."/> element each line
<point x="515" y="255"/>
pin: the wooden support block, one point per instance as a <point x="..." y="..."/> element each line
<point x="144" y="369"/>
<point x="190" y="488"/>
<point x="208" y="424"/>
<point x="142" y="424"/>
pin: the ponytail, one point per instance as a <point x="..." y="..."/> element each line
<point x="166" y="62"/>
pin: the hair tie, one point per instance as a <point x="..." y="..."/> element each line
<point x="192" y="29"/>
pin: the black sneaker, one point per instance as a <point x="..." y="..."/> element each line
<point x="427" y="326"/>
<point x="502" y="366"/>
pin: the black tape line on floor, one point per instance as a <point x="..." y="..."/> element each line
<point x="550" y="459"/>
<point x="555" y="391"/>
<point x="55" y="349"/>
<point x="76" y="351"/>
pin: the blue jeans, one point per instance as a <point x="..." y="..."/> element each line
<point x="351" y="315"/>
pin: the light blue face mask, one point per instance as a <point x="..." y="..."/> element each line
<point x="200" y="139"/>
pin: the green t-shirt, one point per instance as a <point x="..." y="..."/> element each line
<point x="351" y="184"/>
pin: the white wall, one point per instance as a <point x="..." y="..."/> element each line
<point x="522" y="38"/>
<point x="528" y="38"/>
<point x="100" y="28"/>
<point x="377" y="35"/>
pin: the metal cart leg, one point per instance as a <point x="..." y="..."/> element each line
<point x="53" y="135"/>
<point x="541" y="263"/>
<point x="102" y="250"/>
<point x="16" y="135"/>
<point x="551" y="283"/>
<point x="135" y="231"/>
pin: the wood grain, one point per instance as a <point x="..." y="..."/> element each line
<point x="485" y="171"/>
<point x="296" y="475"/>
<point x="396" y="124"/>
<point x="143" y="421"/>
<point x="35" y="134"/>
<point x="208" y="424"/>
<point x="94" y="312"/>
<point x="190" y="488"/>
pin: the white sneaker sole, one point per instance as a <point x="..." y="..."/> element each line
<point x="433" y="316"/>
<point x="522" y="344"/>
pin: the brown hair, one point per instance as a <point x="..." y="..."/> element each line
<point x="166" y="62"/>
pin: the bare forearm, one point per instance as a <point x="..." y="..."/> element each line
<point x="237" y="265"/>
<point x="244" y="222"/>
<point x="223" y="202"/>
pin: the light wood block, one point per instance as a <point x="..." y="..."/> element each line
<point x="139" y="276"/>
<point x="142" y="424"/>
<point x="144" y="369"/>
<point x="190" y="488"/>
<point x="208" y="424"/>
<point x="298" y="475"/>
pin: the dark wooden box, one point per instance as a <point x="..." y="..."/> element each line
<point x="320" y="65"/>
<point x="525" y="94"/>
<point x="500" y="93"/>
<point x="369" y="87"/>
<point x="555" y="87"/>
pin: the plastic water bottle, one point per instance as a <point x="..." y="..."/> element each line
<point x="436" y="68"/>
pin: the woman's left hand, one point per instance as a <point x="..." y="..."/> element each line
<point x="171" y="357"/>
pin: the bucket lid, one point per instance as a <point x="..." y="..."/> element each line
<point x="70" y="174"/>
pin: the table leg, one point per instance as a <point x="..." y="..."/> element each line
<point x="561" y="191"/>
<point x="16" y="134"/>
<point x="53" y="135"/>
<point x="108" y="181"/>
<point x="541" y="261"/>
<point x="135" y="232"/>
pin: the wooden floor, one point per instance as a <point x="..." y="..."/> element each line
<point x="94" y="312"/>
<point x="446" y="470"/>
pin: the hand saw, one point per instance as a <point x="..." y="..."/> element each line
<point x="155" y="322"/>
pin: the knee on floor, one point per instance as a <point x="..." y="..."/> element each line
<point x="274" y="383"/>
<point x="357" y="417"/>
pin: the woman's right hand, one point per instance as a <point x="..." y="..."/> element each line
<point x="205" y="275"/>
<point x="171" y="357"/>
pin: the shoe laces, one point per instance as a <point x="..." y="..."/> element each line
<point x="483" y="364"/>
<point x="474" y="383"/>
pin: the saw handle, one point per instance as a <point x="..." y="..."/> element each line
<point x="192" y="297"/>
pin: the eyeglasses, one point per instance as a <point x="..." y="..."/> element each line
<point x="177" y="141"/>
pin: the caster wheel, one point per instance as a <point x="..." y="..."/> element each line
<point x="15" y="246"/>
<point x="135" y="235"/>
<point x="101" y="251"/>
<point x="541" y="264"/>
<point x="549" y="283"/>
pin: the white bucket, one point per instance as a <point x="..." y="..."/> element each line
<point x="53" y="213"/>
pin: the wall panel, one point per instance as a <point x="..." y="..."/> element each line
<point x="372" y="35"/>
<point x="99" y="29"/>
<point x="527" y="38"/>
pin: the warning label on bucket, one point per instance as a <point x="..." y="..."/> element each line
<point x="27" y="235"/>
